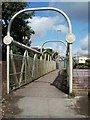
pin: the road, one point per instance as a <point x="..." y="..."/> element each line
<point x="40" y="99"/>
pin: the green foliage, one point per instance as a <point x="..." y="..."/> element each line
<point x="82" y="66"/>
<point x="50" y="50"/>
<point x="72" y="95"/>
<point x="55" y="55"/>
<point x="20" y="28"/>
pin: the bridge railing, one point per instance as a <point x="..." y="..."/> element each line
<point x="23" y="69"/>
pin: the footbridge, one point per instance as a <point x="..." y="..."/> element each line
<point x="23" y="69"/>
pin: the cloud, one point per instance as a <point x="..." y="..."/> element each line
<point x="63" y="28"/>
<point x="55" y="48"/>
<point x="80" y="51"/>
<point x="62" y="52"/>
<point x="89" y="43"/>
<point x="84" y="43"/>
<point x="41" y="25"/>
<point x="84" y="47"/>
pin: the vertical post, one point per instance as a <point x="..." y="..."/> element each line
<point x="45" y="63"/>
<point x="33" y="68"/>
<point x="41" y="57"/>
<point x="22" y="68"/>
<point x="26" y="69"/>
<point x="58" y="42"/>
<point x="70" y="68"/>
<point x="8" y="47"/>
<point x="13" y="66"/>
<point x="45" y="56"/>
<point x="57" y="46"/>
<point x="48" y="57"/>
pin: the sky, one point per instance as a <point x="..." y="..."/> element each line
<point x="46" y="23"/>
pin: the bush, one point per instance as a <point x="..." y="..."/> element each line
<point x="82" y="66"/>
<point x="72" y="95"/>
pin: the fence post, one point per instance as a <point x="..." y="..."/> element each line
<point x="33" y="68"/>
<point x="45" y="57"/>
<point x="26" y="67"/>
<point x="48" y="57"/>
<point x="41" y="57"/>
<point x="22" y="68"/>
<point x="13" y="66"/>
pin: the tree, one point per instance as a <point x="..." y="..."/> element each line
<point x="20" y="29"/>
<point x="55" y="55"/>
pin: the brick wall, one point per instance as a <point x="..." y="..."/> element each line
<point x="81" y="81"/>
<point x="0" y="79"/>
<point x="4" y="78"/>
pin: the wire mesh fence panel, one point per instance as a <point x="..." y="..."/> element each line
<point x="24" y="69"/>
<point x="29" y="66"/>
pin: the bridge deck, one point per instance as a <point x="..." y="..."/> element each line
<point x="39" y="99"/>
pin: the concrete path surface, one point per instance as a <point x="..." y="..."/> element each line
<point x="39" y="99"/>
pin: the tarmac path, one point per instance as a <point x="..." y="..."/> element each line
<point x="40" y="99"/>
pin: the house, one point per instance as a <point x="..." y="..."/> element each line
<point x="81" y="59"/>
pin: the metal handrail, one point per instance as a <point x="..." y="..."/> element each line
<point x="25" y="47"/>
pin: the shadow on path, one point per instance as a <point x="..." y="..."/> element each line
<point x="9" y="107"/>
<point x="61" y="82"/>
<point x="83" y="105"/>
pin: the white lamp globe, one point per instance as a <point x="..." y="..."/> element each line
<point x="7" y="40"/>
<point x="70" y="38"/>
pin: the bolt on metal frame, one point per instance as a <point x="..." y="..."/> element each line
<point x="69" y="44"/>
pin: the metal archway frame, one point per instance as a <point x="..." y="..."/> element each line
<point x="70" y="38"/>
<point x="54" y="53"/>
<point x="53" y="41"/>
<point x="40" y="9"/>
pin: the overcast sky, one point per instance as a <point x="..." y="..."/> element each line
<point x="46" y="23"/>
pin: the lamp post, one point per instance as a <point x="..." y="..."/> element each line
<point x="70" y="38"/>
<point x="58" y="39"/>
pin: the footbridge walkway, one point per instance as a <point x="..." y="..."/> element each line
<point x="40" y="99"/>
